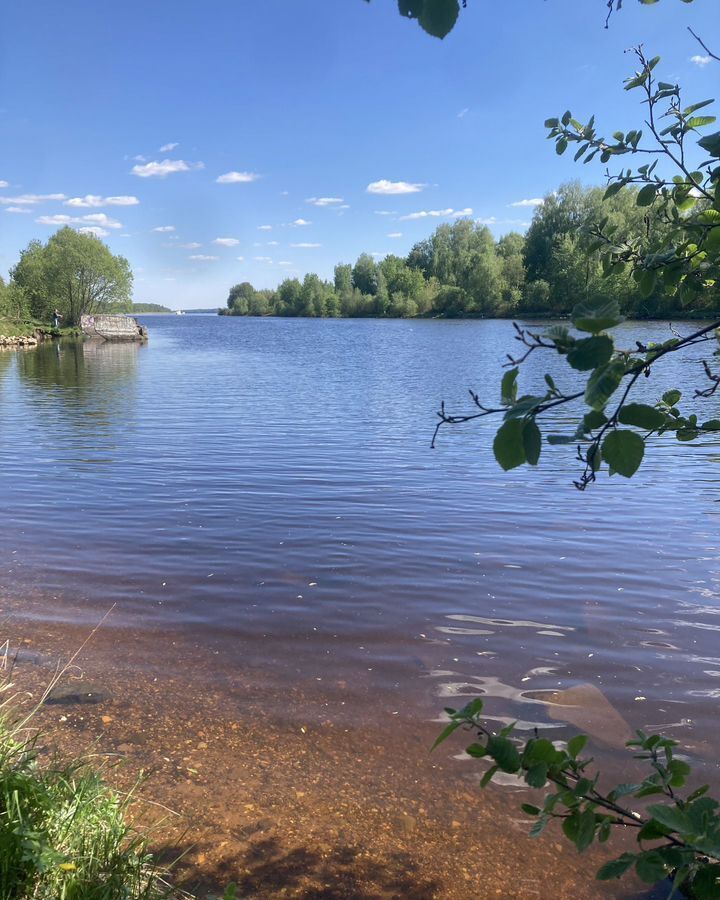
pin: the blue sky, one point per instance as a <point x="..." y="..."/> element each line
<point x="221" y="141"/>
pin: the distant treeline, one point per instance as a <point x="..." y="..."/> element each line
<point x="461" y="270"/>
<point x="146" y="308"/>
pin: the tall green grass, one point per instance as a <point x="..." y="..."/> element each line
<point x="64" y="833"/>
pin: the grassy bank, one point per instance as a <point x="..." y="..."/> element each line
<point x="64" y="834"/>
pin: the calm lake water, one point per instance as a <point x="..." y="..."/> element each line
<point x="263" y="490"/>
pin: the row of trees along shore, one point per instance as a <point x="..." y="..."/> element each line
<point x="461" y="270"/>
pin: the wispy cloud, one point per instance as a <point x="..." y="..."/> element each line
<point x="163" y="229"/>
<point x="265" y="259"/>
<point x="395" y="234"/>
<point x="17" y="209"/>
<point x="284" y="262"/>
<point x="203" y="257"/>
<point x="168" y="148"/>
<point x="300" y="222"/>
<point x="305" y="245"/>
<point x="226" y="242"/>
<point x="237" y="178"/>
<point x="273" y="243"/>
<point x="264" y="227"/>
<point x="96" y="219"/>
<point x="31" y="199"/>
<point x="534" y="201"/>
<point x="385" y="212"/>
<point x="240" y="258"/>
<point x="95" y="200"/>
<point x="4" y="184"/>
<point x="437" y="214"/>
<point x="324" y="201"/>
<point x="193" y="245"/>
<point x="165" y="167"/>
<point x="393" y="187"/>
<point x="701" y="61"/>
<point x="463" y="112"/>
<point x="95" y="230"/>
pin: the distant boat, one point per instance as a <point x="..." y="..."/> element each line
<point x="179" y="312"/>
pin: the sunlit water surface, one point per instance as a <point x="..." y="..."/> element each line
<point x="266" y="488"/>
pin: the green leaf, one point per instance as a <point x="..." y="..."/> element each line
<point x="532" y="442"/>
<point x="594" y="419"/>
<point x="711" y="425"/>
<point x="596" y="315"/>
<point x="477" y="751"/>
<point x="488" y="776"/>
<point x="536" y="776"/>
<point x="603" y="383"/>
<point x="445" y="733"/>
<point x="439" y="16"/>
<point x="504" y="752"/>
<point x="711" y="143"/>
<point x="641" y="416"/>
<point x="580" y="828"/>
<point x="651" y="867"/>
<point x="672" y="398"/>
<point x="590" y="353"/>
<point x="577" y="744"/>
<point x="508" y="387"/>
<point x="648" y="280"/>
<point x="646" y="195"/>
<point x="623" y="451"/>
<point x="530" y="809"/>
<point x="616" y="868"/>
<point x="561" y="439"/>
<point x="706" y="883"/>
<point x="669" y="816"/>
<point x="509" y="446"/>
<point x="411" y="8"/>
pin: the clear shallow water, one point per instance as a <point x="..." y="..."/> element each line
<point x="264" y="490"/>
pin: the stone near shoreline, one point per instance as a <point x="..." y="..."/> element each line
<point x="12" y="342"/>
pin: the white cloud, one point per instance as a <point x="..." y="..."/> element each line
<point x="324" y="201"/>
<point x="163" y="229"/>
<point x="96" y="219"/>
<point x="393" y="187"/>
<point x="437" y="214"/>
<point x="266" y="259"/>
<point x="168" y="148"/>
<point x="305" y="245"/>
<point x="193" y="245"/>
<point x="17" y="209"/>
<point x="300" y="222"/>
<point x="226" y="242"/>
<point x="166" y="167"/>
<point x="534" y="201"/>
<point x="463" y="112"/>
<point x="94" y="229"/>
<point x="4" y="184"/>
<point x="240" y="258"/>
<point x="701" y="61"/>
<point x="385" y="212"/>
<point x="395" y="234"/>
<point x="264" y="227"/>
<point x="237" y="178"/>
<point x="489" y="220"/>
<point x="30" y="199"/>
<point x="94" y="200"/>
<point x="273" y="243"/>
<point x="284" y="262"/>
<point x="203" y="257"/>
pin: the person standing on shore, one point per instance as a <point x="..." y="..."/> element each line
<point x="56" y="318"/>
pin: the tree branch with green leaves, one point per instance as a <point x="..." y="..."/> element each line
<point x="677" y="251"/>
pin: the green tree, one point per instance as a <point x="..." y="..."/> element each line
<point x="74" y="272"/>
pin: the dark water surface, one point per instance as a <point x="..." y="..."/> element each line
<point x="264" y="491"/>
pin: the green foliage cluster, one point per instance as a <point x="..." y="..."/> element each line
<point x="73" y="272"/>
<point x="679" y="837"/>
<point x="676" y="254"/>
<point x="461" y="270"/>
<point x="140" y="308"/>
<point x="64" y="833"/>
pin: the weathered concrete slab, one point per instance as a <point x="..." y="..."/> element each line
<point x="113" y="328"/>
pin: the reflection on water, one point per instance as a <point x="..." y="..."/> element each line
<point x="264" y="488"/>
